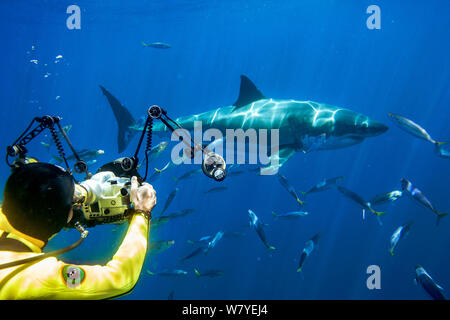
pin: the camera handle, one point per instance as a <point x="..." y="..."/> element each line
<point x="46" y="122"/>
<point x="213" y="165"/>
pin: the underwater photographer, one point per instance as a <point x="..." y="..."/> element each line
<point x="39" y="200"/>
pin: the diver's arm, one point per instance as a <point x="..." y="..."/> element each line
<point x="119" y="275"/>
<point x="48" y="279"/>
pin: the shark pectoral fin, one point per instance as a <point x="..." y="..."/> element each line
<point x="248" y="93"/>
<point x="277" y="160"/>
<point x="269" y="171"/>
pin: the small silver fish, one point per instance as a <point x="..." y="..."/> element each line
<point x="412" y="128"/>
<point x="215" y="189"/>
<point x="409" y="188"/>
<point x="169" y="200"/>
<point x="292" y="214"/>
<point x="386" y="197"/>
<point x="428" y="283"/>
<point x="324" y="185"/>
<point x="309" y="247"/>
<point x="398" y="234"/>
<point x="213" y="242"/>
<point x="285" y="183"/>
<point x="168" y="273"/>
<point x="209" y="273"/>
<point x="160" y="246"/>
<point x="359" y="200"/>
<point x="258" y="226"/>
<point x="158" y="45"/>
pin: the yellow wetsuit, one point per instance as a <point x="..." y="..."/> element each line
<point x="53" y="279"/>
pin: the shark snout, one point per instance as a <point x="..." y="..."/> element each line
<point x="380" y="128"/>
<point x="375" y="128"/>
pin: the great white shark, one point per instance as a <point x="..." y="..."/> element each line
<point x="303" y="125"/>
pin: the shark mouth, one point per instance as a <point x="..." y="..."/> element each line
<point x="336" y="142"/>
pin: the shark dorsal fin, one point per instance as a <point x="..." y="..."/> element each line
<point x="248" y="93"/>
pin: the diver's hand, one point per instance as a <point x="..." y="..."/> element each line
<point x="143" y="197"/>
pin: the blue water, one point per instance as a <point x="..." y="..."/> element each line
<point x="296" y="49"/>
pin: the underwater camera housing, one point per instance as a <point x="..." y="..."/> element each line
<point x="105" y="198"/>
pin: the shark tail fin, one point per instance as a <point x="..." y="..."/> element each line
<point x="440" y="216"/>
<point x="144" y="44"/>
<point x="197" y="273"/>
<point x="124" y="120"/>
<point x="391" y="252"/>
<point x="299" y="269"/>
